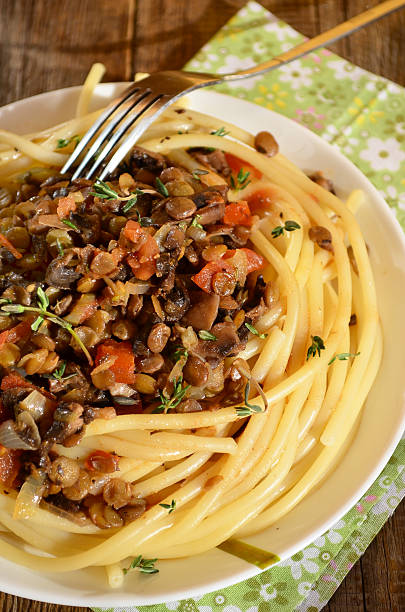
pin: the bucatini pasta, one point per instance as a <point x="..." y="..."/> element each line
<point x="184" y="348"/>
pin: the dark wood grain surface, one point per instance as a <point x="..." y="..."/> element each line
<point x="48" y="44"/>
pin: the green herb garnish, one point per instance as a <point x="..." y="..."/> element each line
<point x="64" y="142"/>
<point x="342" y="357"/>
<point x="170" y="507"/>
<point x="43" y="313"/>
<point x="145" y="566"/>
<point x="254" y="331"/>
<point x="180" y="352"/>
<point x="127" y="207"/>
<point x="197" y="173"/>
<point x="168" y="403"/>
<point x="241" y="180"/>
<point x="247" y="409"/>
<point x="161" y="187"/>
<point x="220" y="132"/>
<point x="104" y="191"/>
<point x="195" y="223"/>
<point x="316" y="347"/>
<point x="206" y="335"/>
<point x="70" y="224"/>
<point x="289" y="226"/>
<point x="60" y="247"/>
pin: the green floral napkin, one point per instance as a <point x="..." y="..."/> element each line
<point x="363" y="115"/>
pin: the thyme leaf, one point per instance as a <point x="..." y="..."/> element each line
<point x="168" y="403"/>
<point x="170" y="507"/>
<point x="64" y="142"/>
<point x="247" y="409"/>
<point x="206" y="335"/>
<point x="289" y="226"/>
<point x="145" y="566"/>
<point x="342" y="357"/>
<point x="254" y="331"/>
<point x="316" y="347"/>
<point x="70" y="224"/>
<point x="220" y="132"/>
<point x="241" y="180"/>
<point x="161" y="187"/>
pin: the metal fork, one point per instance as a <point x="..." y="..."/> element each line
<point x="141" y="103"/>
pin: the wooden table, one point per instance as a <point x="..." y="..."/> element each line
<point x="48" y="44"/>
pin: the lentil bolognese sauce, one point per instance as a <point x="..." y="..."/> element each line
<point x="186" y="344"/>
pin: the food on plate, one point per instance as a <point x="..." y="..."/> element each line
<point x="185" y="347"/>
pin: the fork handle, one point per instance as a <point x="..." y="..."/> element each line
<point x="330" y="36"/>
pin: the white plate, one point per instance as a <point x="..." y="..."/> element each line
<point x="383" y="418"/>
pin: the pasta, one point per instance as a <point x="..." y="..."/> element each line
<point x="227" y="469"/>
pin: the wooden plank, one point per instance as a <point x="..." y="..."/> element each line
<point x="47" y="45"/>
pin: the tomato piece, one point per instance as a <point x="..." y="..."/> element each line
<point x="9" y="465"/>
<point x="254" y="260"/>
<point x="123" y="367"/>
<point x="236" y="164"/>
<point x="133" y="231"/>
<point x="66" y="206"/>
<point x="143" y="261"/>
<point x="9" y="246"/>
<point x="102" y="461"/>
<point x="204" y="277"/>
<point x="238" y="213"/>
<point x="16" y="333"/>
<point x="260" y="201"/>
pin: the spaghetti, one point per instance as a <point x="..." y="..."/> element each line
<point x="163" y="460"/>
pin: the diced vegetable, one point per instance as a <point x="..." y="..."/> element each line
<point x="66" y="206"/>
<point x="143" y="260"/>
<point x="123" y="367"/>
<point x="204" y="277"/>
<point x="15" y="380"/>
<point x="10" y="247"/>
<point x="238" y="213"/>
<point x="255" y="261"/>
<point x="83" y="308"/>
<point x="16" y="333"/>
<point x="260" y="201"/>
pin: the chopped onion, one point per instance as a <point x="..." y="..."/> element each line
<point x="36" y="404"/>
<point x="29" y="497"/>
<point x="137" y="287"/>
<point x="9" y="437"/>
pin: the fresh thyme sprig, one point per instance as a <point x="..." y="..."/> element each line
<point x="64" y="142"/>
<point x="241" y="181"/>
<point x="254" y="331"/>
<point x="170" y="507"/>
<point x="104" y="191"/>
<point x="168" y="403"/>
<point x="289" y="226"/>
<point x="316" y="347"/>
<point x="206" y="335"/>
<point x="342" y="357"/>
<point x="43" y="313"/>
<point x="145" y="566"/>
<point x="247" y="409"/>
